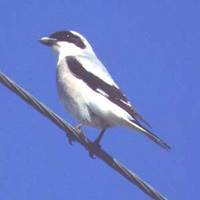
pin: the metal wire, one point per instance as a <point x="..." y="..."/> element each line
<point x="80" y="137"/>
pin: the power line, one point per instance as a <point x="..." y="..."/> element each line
<point x="80" y="137"/>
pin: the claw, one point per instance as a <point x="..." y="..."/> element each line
<point x="94" y="148"/>
<point x="78" y="127"/>
<point x="70" y="139"/>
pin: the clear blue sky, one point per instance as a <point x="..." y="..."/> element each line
<point x="151" y="48"/>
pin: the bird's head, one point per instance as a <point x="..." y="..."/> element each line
<point x="67" y="43"/>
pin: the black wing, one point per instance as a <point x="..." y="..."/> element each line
<point x="109" y="91"/>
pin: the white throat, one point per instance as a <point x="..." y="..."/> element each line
<point x="63" y="49"/>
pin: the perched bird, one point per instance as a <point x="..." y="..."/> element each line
<point x="88" y="91"/>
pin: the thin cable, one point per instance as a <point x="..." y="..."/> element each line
<point x="80" y="137"/>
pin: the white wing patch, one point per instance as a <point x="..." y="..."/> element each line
<point x="126" y="102"/>
<point x="102" y="92"/>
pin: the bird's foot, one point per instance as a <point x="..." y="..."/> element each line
<point x="94" y="148"/>
<point x="71" y="138"/>
<point x="78" y="127"/>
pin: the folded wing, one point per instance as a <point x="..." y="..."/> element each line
<point x="112" y="92"/>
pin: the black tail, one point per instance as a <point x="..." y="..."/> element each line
<point x="149" y="134"/>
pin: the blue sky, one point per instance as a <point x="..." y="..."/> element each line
<point x="151" y="48"/>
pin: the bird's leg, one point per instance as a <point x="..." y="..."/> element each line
<point x="95" y="146"/>
<point x="78" y="127"/>
<point x="70" y="137"/>
<point x="98" y="139"/>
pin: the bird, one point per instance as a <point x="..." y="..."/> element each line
<point x="87" y="90"/>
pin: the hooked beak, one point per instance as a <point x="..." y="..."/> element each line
<point x="48" y="41"/>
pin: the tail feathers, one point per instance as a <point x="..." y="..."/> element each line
<point x="149" y="134"/>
